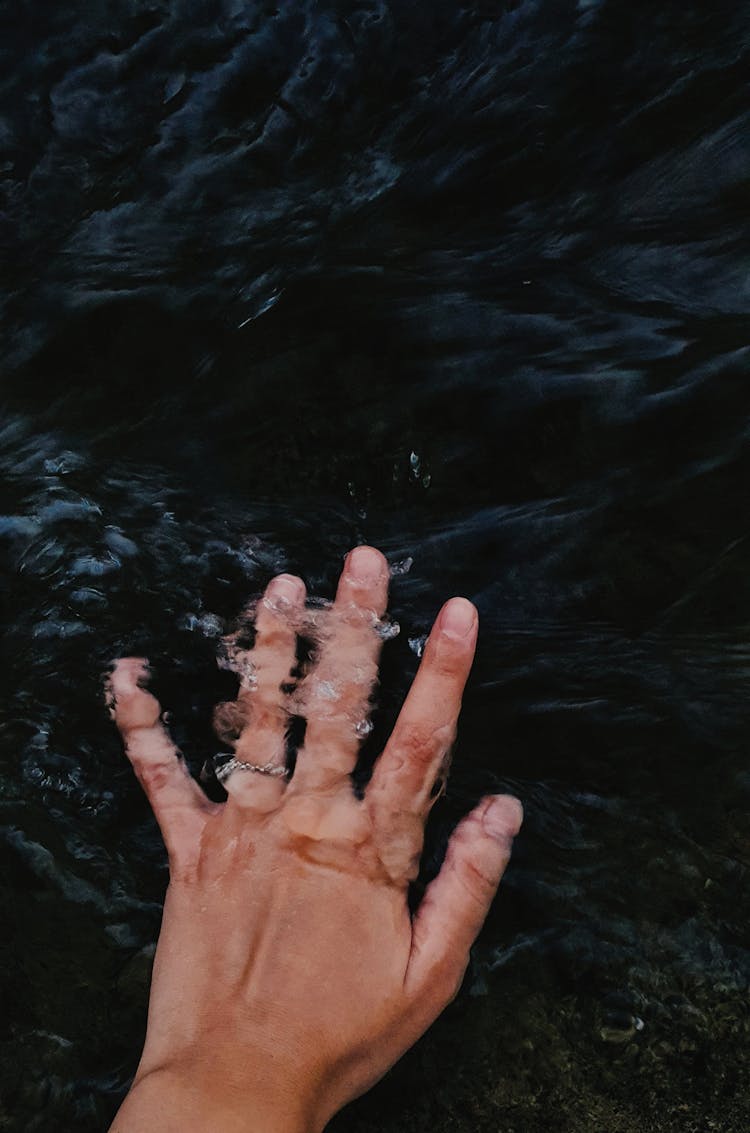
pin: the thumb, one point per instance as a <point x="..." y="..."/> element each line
<point x="456" y="903"/>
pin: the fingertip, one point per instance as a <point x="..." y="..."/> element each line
<point x="366" y="565"/>
<point x="130" y="703"/>
<point x="503" y="817"/>
<point x="458" y="618"/>
<point x="364" y="581"/>
<point x="286" y="589"/>
<point x="129" y="671"/>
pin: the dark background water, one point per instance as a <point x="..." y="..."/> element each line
<point x="471" y="284"/>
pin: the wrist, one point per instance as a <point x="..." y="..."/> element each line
<point x="169" y="1100"/>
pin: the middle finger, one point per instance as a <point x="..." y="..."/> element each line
<point x="335" y="697"/>
<point x="260" y="713"/>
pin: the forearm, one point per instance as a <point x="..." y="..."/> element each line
<point x="166" y="1102"/>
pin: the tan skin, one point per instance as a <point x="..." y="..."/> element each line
<point x="290" y="974"/>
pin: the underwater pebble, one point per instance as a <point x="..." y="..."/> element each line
<point x="621" y="1028"/>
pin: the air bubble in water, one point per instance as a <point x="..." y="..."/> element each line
<point x="207" y="624"/>
<point x="403" y="566"/>
<point x="387" y="630"/>
<point x="63" y="464"/>
<point x="327" y="690"/>
<point x="417" y="644"/>
<point x="363" y="728"/>
<point x="245" y="670"/>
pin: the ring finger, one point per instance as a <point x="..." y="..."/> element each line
<point x="261" y="712"/>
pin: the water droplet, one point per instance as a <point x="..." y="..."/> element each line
<point x="363" y="728"/>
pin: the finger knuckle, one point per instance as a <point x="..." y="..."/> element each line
<point x="229" y="720"/>
<point x="447" y="659"/>
<point x="420" y="744"/>
<point x="475" y="881"/>
<point x="154" y="775"/>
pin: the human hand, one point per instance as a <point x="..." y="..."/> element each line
<point x="290" y="974"/>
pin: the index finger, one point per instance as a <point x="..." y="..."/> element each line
<point x="178" y="803"/>
<point x="418" y="749"/>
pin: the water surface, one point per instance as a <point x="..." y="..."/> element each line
<point x="469" y="283"/>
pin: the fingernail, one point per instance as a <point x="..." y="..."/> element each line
<point x="365" y="564"/>
<point x="284" y="588"/>
<point x="504" y="817"/>
<point x="458" y="617"/>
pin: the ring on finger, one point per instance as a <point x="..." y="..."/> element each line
<point x="224" y="770"/>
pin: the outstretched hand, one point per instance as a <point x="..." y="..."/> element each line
<point x="290" y="973"/>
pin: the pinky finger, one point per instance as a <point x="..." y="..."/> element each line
<point x="178" y="803"/>
<point x="456" y="903"/>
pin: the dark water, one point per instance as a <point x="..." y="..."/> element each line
<point x="471" y="284"/>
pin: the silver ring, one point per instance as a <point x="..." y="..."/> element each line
<point x="277" y="770"/>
